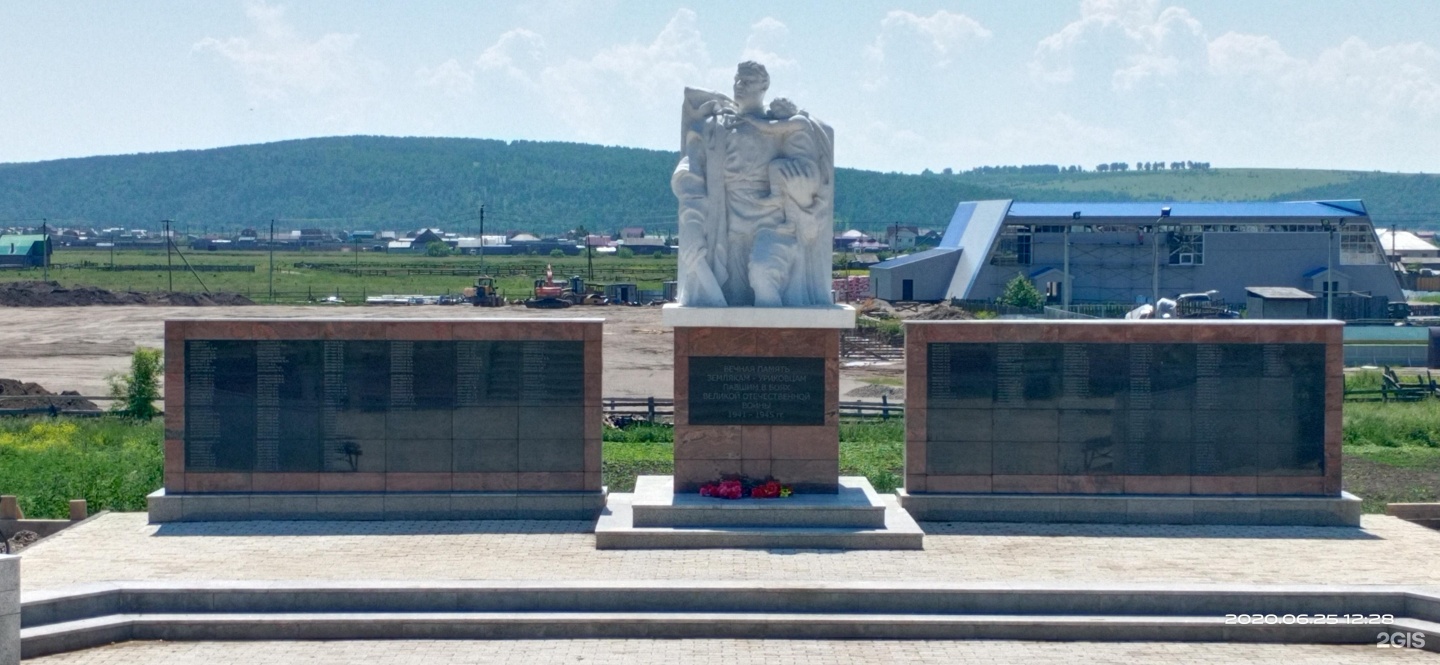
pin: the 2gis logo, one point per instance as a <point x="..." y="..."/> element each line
<point x="1399" y="640"/>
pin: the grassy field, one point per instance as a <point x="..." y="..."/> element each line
<point x="110" y="462"/>
<point x="87" y="267"/>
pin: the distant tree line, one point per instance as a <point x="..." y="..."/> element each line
<point x="1054" y="169"/>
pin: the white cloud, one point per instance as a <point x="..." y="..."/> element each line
<point x="518" y="53"/>
<point x="938" y="36"/>
<point x="278" y="64"/>
<point x="764" y="43"/>
<point x="450" y="77"/>
<point x="594" y="96"/>
<point x="1133" y="40"/>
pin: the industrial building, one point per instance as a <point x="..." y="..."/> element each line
<point x="1133" y="252"/>
<point x="24" y="251"/>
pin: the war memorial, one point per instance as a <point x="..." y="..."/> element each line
<point x="1015" y="431"/>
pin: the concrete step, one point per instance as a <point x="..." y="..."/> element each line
<point x="90" y="616"/>
<point x="616" y="530"/>
<point x="221" y="597"/>
<point x="88" y="633"/>
<point x="656" y="505"/>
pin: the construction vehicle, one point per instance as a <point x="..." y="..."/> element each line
<point x="549" y="294"/>
<point x="483" y="293"/>
<point x="1206" y="305"/>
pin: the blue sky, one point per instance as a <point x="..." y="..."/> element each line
<point x="1349" y="84"/>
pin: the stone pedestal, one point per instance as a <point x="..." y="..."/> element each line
<point x="757" y="394"/>
<point x="9" y="610"/>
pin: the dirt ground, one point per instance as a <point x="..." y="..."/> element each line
<point x="76" y="348"/>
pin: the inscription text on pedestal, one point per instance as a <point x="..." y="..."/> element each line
<point x="745" y="390"/>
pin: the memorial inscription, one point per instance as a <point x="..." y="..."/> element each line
<point x="1136" y="409"/>
<point x="745" y="390"/>
<point x="380" y="406"/>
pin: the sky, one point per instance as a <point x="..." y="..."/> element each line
<point x="907" y="85"/>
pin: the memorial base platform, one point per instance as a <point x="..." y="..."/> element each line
<point x="374" y="506"/>
<point x="1343" y="510"/>
<point x="854" y="518"/>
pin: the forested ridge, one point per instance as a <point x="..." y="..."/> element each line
<point x="396" y="183"/>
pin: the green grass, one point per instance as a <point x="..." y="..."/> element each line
<point x="112" y="463"/>
<point x="1365" y="379"/>
<point x="296" y="284"/>
<point x="884" y="381"/>
<point x="873" y="449"/>
<point x="1392" y="425"/>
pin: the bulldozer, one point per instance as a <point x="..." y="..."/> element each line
<point x="483" y="293"/>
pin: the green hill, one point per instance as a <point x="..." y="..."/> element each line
<point x="363" y="181"/>
<point x="382" y="182"/>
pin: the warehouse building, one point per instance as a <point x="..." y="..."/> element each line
<point x="1131" y="252"/>
<point x="24" y="251"/>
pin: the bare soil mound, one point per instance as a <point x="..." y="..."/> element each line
<point x="943" y="312"/>
<point x="52" y="294"/>
<point x="35" y="396"/>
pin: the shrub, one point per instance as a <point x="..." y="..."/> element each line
<point x="625" y="253"/>
<point x="437" y="248"/>
<point x="137" y="391"/>
<point x="557" y="253"/>
<point x="1019" y="292"/>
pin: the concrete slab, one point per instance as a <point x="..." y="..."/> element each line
<point x="856" y="505"/>
<point x="825" y="316"/>
<point x="373" y="506"/>
<point x="616" y="527"/>
<point x="1343" y="510"/>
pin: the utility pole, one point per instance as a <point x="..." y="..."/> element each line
<point x="169" y="267"/>
<point x="45" y="248"/>
<point x="1330" y="282"/>
<point x="1155" y="258"/>
<point x="482" y="237"/>
<point x="272" y="262"/>
<point x="1065" y="284"/>
<point x="112" y="250"/>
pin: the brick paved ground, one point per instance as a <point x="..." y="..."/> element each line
<point x="123" y="547"/>
<point x="670" y="652"/>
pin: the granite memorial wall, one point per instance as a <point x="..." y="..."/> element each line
<point x="390" y="406"/>
<point x="1099" y="407"/>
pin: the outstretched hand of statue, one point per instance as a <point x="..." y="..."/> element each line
<point x="801" y="178"/>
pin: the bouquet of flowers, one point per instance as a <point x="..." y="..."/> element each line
<point x="739" y="487"/>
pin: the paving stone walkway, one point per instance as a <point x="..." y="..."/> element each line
<point x="122" y="546"/>
<point x="669" y="652"/>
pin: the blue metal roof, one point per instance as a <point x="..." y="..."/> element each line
<point x="1151" y="210"/>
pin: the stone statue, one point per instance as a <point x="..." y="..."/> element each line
<point x="757" y="199"/>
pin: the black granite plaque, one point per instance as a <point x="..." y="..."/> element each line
<point x="744" y="390"/>
<point x="375" y="406"/>
<point x="1139" y="409"/>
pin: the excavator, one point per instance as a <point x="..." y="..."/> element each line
<point x="549" y="294"/>
<point x="553" y="294"/>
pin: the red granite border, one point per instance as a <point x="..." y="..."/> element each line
<point x="177" y="480"/>
<point x="919" y="334"/>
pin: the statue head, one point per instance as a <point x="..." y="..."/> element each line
<point x="751" y="82"/>
<point x="782" y="108"/>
